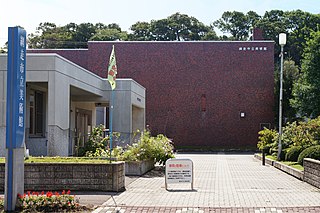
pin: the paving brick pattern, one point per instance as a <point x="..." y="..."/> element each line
<point x="205" y="210"/>
<point x="223" y="183"/>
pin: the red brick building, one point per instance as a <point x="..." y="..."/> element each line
<point x="204" y="94"/>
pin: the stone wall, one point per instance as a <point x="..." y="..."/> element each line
<point x="76" y="177"/>
<point x="312" y="171"/>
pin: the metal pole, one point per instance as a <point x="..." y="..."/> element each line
<point x="280" y="106"/>
<point x="110" y="122"/>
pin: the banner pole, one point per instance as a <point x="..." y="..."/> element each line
<point x="110" y="123"/>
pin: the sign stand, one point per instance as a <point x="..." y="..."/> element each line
<point x="15" y="116"/>
<point x="179" y="170"/>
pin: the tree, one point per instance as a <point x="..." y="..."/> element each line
<point x="83" y="32"/>
<point x="183" y="27"/>
<point x="110" y="32"/>
<point x="177" y="27"/>
<point x="160" y="30"/>
<point x="300" y="25"/>
<point x="237" y="23"/>
<point x="140" y="32"/>
<point x="290" y="75"/>
<point x="109" y="35"/>
<point x="296" y="24"/>
<point x="48" y="35"/>
<point x="51" y="37"/>
<point x="272" y="23"/>
<point x="306" y="92"/>
<point x="210" y="36"/>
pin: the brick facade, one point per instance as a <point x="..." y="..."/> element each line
<point x="195" y="91"/>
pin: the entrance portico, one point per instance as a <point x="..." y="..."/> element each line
<point x="62" y="101"/>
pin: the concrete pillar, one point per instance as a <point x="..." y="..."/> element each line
<point x="138" y="121"/>
<point x="58" y="114"/>
<point x="18" y="176"/>
<point x="122" y="115"/>
<point x="3" y="97"/>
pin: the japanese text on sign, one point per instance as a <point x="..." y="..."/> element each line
<point x="179" y="171"/>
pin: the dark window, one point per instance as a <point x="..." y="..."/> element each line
<point x="265" y="125"/>
<point x="37" y="116"/>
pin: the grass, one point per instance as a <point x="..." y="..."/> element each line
<point x="288" y="163"/>
<point x="293" y="164"/>
<point x="62" y="160"/>
<point x="271" y="157"/>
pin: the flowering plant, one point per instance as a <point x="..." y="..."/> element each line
<point x="47" y="202"/>
<point x="159" y="149"/>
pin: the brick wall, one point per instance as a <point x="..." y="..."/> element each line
<point x="312" y="171"/>
<point x="195" y="91"/>
<point x="83" y="177"/>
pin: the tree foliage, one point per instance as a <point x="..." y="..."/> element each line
<point x="141" y="32"/>
<point x="72" y="35"/>
<point x="177" y="27"/>
<point x="290" y="76"/>
<point x="237" y="23"/>
<point x="306" y="91"/>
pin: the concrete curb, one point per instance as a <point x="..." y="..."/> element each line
<point x="285" y="168"/>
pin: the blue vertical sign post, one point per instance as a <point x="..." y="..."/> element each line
<point x="15" y="116"/>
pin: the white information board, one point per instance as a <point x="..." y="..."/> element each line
<point x="179" y="170"/>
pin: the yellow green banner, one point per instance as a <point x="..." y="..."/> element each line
<point x="112" y="69"/>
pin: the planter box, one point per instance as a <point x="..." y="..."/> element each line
<point x="312" y="171"/>
<point x="73" y="176"/>
<point x="268" y="161"/>
<point x="138" y="168"/>
<point x="288" y="169"/>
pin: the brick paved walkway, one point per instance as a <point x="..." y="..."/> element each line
<point x="223" y="183"/>
<point x="206" y="210"/>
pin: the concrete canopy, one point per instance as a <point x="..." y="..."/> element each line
<point x="66" y="88"/>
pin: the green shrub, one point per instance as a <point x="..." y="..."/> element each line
<point x="311" y="152"/>
<point x="97" y="144"/>
<point x="303" y="134"/>
<point x="163" y="149"/>
<point x="96" y="141"/>
<point x="274" y="151"/>
<point x="267" y="139"/>
<point x="157" y="148"/>
<point x="293" y="153"/>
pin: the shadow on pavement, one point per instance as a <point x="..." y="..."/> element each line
<point x="158" y="171"/>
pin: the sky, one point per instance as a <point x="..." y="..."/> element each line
<point x="30" y="13"/>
